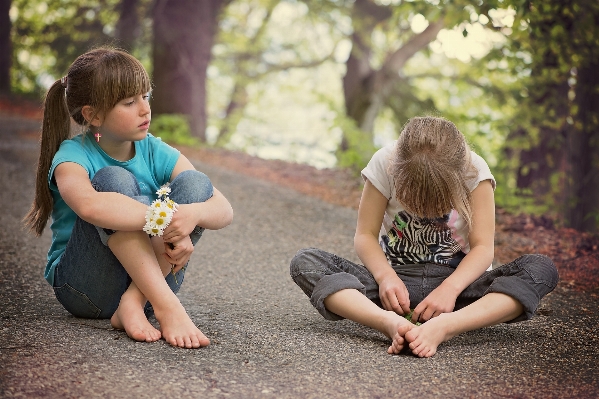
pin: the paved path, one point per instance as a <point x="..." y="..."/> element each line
<point x="268" y="342"/>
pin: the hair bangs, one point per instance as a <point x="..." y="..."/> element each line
<point x="120" y="76"/>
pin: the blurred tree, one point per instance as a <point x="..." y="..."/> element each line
<point x="248" y="49"/>
<point x="5" y="46"/>
<point x="366" y="86"/>
<point x="557" y="137"/>
<point x="184" y="32"/>
<point x="384" y="38"/>
<point x="48" y="35"/>
<point x="128" y="27"/>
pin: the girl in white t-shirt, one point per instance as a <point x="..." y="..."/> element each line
<point x="425" y="234"/>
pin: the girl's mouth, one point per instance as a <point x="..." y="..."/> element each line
<point x="145" y="125"/>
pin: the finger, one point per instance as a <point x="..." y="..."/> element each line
<point x="385" y="303"/>
<point x="416" y="315"/>
<point x="394" y="303"/>
<point x="405" y="306"/>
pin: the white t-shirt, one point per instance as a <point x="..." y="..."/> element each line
<point x="407" y="239"/>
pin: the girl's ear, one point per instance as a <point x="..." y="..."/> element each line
<point x="91" y="116"/>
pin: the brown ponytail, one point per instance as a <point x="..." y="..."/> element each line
<point x="55" y="129"/>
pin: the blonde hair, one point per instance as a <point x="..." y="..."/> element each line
<point x="430" y="167"/>
<point x="99" y="78"/>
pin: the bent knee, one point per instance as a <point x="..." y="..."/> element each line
<point x="191" y="186"/>
<point x="303" y="261"/>
<point x="541" y="268"/>
<point x="116" y="179"/>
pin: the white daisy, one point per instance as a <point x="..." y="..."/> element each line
<point x="163" y="191"/>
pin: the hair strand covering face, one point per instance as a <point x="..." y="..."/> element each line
<point x="430" y="167"/>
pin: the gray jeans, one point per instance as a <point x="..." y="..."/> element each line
<point x="320" y="274"/>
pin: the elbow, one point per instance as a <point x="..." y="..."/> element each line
<point x="228" y="217"/>
<point x="225" y="217"/>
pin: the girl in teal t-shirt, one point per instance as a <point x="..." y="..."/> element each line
<point x="127" y="209"/>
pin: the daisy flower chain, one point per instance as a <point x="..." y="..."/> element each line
<point x="160" y="212"/>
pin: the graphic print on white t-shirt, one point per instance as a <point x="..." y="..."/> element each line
<point x="412" y="240"/>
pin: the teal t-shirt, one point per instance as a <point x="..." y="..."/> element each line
<point x="152" y="164"/>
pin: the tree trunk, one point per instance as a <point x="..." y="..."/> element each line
<point x="546" y="158"/>
<point x="184" y="32"/>
<point x="359" y="76"/>
<point x="5" y="47"/>
<point x="583" y="207"/>
<point x="233" y="114"/>
<point x="128" y="28"/>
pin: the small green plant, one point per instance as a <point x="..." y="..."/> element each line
<point x="409" y="318"/>
<point x="174" y="129"/>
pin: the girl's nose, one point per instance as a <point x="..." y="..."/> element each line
<point x="145" y="108"/>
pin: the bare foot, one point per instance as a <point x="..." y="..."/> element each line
<point x="396" y="328"/>
<point x="178" y="329"/>
<point x="130" y="317"/>
<point x="424" y="339"/>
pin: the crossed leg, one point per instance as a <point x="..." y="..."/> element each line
<point x="353" y="305"/>
<point x="491" y="309"/>
<point x="423" y="340"/>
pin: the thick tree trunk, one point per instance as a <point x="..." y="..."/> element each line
<point x="583" y="206"/>
<point x="545" y="163"/>
<point x="5" y="47"/>
<point x="128" y="28"/>
<point x="184" y="32"/>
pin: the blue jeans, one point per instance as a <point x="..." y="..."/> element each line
<point x="320" y="274"/>
<point x="89" y="280"/>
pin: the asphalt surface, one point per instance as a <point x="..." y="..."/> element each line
<point x="267" y="340"/>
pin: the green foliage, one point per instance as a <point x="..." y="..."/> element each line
<point x="555" y="124"/>
<point x="174" y="129"/>
<point x="48" y="35"/>
<point x="360" y="146"/>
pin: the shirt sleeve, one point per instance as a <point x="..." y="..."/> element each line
<point x="484" y="173"/>
<point x="69" y="151"/>
<point x="377" y="171"/>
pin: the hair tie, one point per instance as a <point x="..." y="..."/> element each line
<point x="63" y="81"/>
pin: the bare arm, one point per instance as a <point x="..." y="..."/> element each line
<point x="213" y="214"/>
<point x="474" y="264"/>
<point x="393" y="293"/>
<point x="119" y="212"/>
<point x="109" y="210"/>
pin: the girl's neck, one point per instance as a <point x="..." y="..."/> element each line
<point x="119" y="150"/>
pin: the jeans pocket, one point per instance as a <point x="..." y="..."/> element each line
<point x="76" y="303"/>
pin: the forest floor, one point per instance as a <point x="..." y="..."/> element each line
<point x="575" y="253"/>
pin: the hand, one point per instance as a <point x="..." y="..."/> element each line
<point x="181" y="225"/>
<point x="394" y="295"/>
<point x="178" y="253"/>
<point x="440" y="300"/>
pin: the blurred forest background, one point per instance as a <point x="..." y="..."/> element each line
<point x="327" y="82"/>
